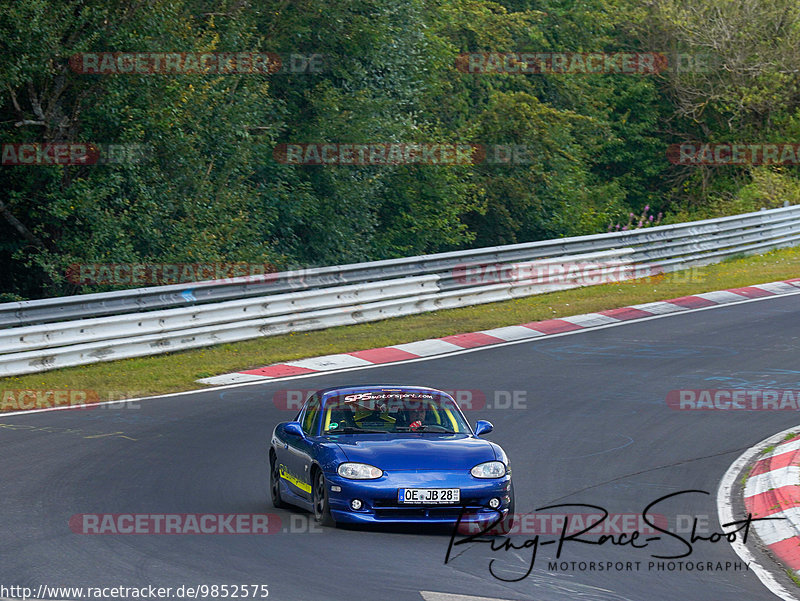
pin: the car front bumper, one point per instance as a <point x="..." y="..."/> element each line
<point x="380" y="504"/>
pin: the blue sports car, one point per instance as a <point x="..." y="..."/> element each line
<point x="389" y="454"/>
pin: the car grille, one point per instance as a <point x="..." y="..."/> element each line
<point x="391" y="510"/>
<point x="418" y="512"/>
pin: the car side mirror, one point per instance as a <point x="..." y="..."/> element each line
<point x="295" y="429"/>
<point x="483" y="427"/>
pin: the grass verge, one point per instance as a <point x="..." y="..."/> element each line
<point x="174" y="372"/>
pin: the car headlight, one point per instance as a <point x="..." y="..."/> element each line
<point x="490" y="469"/>
<point x="359" y="471"/>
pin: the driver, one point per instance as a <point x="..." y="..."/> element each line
<point x="416" y="416"/>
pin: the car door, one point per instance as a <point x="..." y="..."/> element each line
<point x="298" y="454"/>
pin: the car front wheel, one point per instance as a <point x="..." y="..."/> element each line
<point x="275" y="485"/>
<point x="322" y="508"/>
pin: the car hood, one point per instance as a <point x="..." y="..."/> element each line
<point x="416" y="451"/>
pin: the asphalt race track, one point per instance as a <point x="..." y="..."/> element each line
<point x="595" y="429"/>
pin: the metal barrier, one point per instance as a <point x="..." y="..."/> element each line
<point x="77" y="330"/>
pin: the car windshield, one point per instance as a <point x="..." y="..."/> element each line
<point x="379" y="412"/>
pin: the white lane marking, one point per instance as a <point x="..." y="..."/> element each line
<point x="784" y="447"/>
<point x="589" y="320"/>
<point x="426" y="348"/>
<point x="659" y="307"/>
<point x="774" y="531"/>
<point x="725" y="511"/>
<point x="720" y="296"/>
<point x="329" y="362"/>
<point x="512" y="333"/>
<point x="776" y="287"/>
<point x="407" y="361"/>
<point x="233" y="378"/>
<point x="763" y="482"/>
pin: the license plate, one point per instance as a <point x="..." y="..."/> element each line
<point x="429" y="496"/>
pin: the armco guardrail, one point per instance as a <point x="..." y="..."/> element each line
<point x="77" y="330"/>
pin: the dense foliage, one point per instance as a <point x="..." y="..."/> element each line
<point x="208" y="187"/>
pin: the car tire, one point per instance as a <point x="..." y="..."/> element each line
<point x="322" y="506"/>
<point x="505" y="526"/>
<point x="275" y="484"/>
